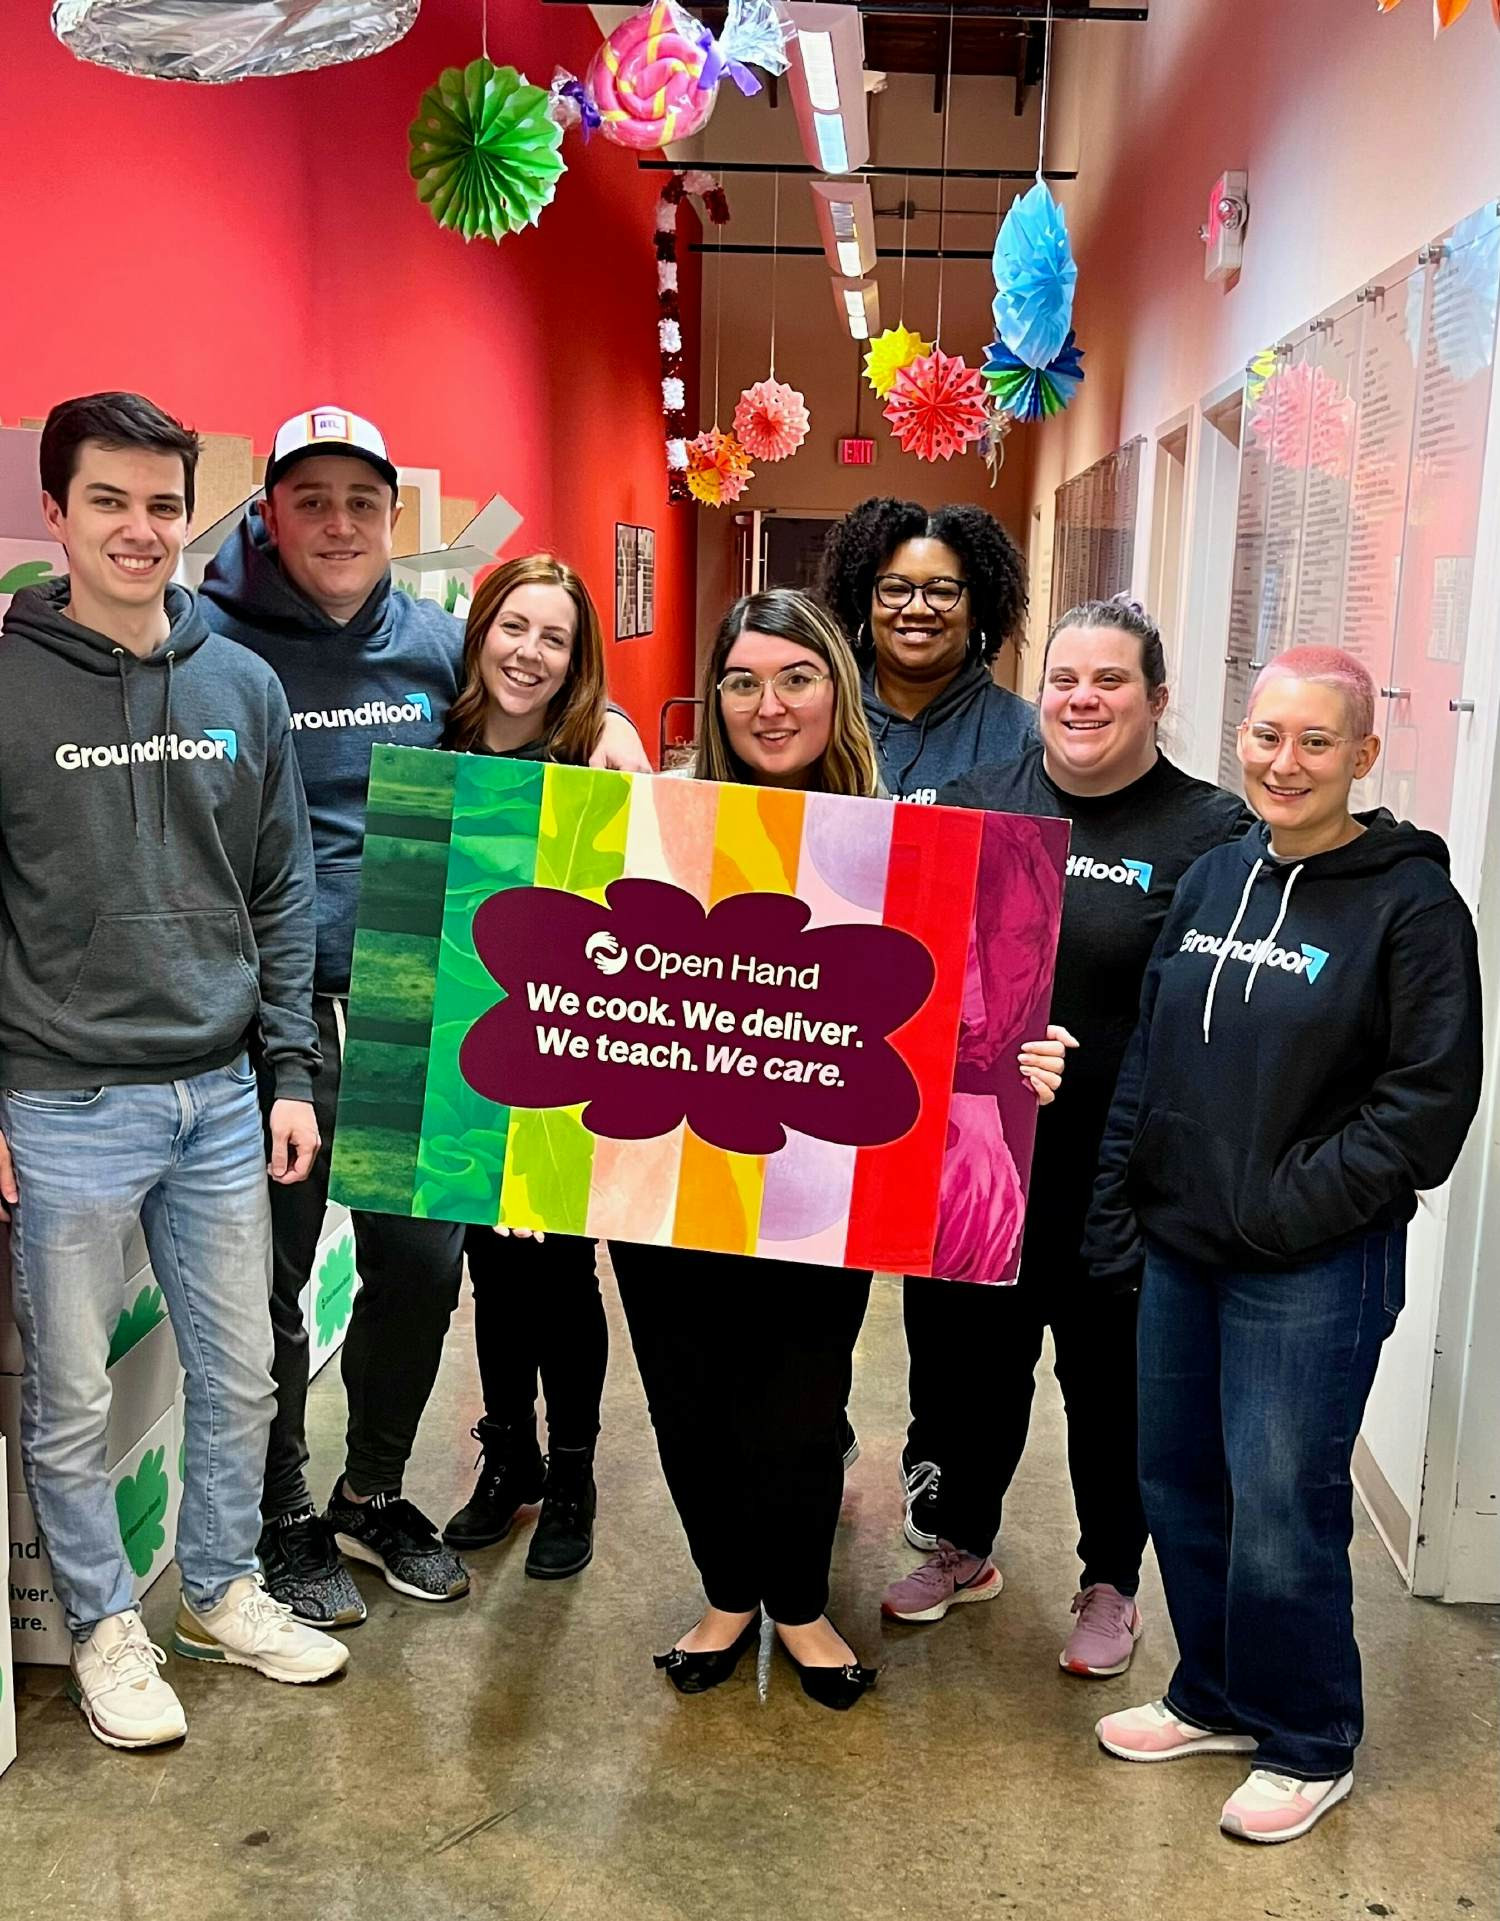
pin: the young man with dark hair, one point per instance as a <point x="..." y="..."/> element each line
<point x="155" y="910"/>
<point x="305" y="583"/>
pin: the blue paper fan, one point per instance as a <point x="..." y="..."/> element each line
<point x="1032" y="393"/>
<point x="1035" y="275"/>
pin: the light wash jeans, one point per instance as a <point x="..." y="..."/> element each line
<point x="186" y="1157"/>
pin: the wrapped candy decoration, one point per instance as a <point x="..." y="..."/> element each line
<point x="1035" y="276"/>
<point x="484" y="151"/>
<point x="937" y="406"/>
<point x="1032" y="393"/>
<point x="656" y="77"/>
<point x="771" y="420"/>
<point x="718" y="468"/>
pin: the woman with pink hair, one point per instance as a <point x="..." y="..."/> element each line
<point x="1307" y="1060"/>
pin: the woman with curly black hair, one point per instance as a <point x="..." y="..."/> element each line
<point x="929" y="597"/>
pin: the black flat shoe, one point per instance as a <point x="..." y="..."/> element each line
<point x="697" y="1673"/>
<point x="836" y="1688"/>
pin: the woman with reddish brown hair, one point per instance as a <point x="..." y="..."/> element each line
<point x="533" y="689"/>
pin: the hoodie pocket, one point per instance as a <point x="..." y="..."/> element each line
<point x="158" y="987"/>
<point x="1197" y="1191"/>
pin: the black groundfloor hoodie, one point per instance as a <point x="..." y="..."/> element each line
<point x="156" y="882"/>
<point x="1308" y="1055"/>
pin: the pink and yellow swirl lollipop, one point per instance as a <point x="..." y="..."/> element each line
<point x="647" y="78"/>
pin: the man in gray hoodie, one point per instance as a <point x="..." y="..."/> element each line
<point x="155" y="909"/>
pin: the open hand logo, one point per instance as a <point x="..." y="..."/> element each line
<point x="334" y="1297"/>
<point x="141" y="1504"/>
<point x="605" y="952"/>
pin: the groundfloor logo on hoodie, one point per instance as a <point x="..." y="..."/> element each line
<point x="1309" y="961"/>
<point x="369" y="713"/>
<point x="217" y="743"/>
<point x="1124" y="873"/>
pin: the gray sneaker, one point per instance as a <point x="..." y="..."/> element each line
<point x="396" y="1537"/>
<point x="302" y="1570"/>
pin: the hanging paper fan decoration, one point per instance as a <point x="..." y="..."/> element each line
<point x="484" y="151"/>
<point x="1035" y="276"/>
<point x="889" y="353"/>
<point x="771" y="420"/>
<point x="937" y="406"/>
<point x="718" y="468"/>
<point x="1444" y="12"/>
<point x="241" y="40"/>
<point x="1032" y="393"/>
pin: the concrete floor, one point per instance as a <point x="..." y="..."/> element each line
<point x="515" y="1755"/>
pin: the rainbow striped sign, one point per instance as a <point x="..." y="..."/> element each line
<point x="659" y="1010"/>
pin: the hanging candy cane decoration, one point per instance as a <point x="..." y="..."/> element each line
<point x="705" y="189"/>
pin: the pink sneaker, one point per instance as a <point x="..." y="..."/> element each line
<point x="1109" y="1625"/>
<point x="951" y="1576"/>
<point x="1278" y="1807"/>
<point x="1154" y="1733"/>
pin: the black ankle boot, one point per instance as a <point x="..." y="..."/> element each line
<point x="563" y="1543"/>
<point x="512" y="1475"/>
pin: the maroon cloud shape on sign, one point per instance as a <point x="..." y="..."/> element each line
<point x="811" y="1009"/>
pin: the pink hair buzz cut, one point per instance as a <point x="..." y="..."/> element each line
<point x="1331" y="667"/>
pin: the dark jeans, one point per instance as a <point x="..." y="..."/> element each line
<point x="1253" y="1386"/>
<point x="746" y="1366"/>
<point x="973" y="1354"/>
<point x="409" y="1273"/>
<point x="537" y="1306"/>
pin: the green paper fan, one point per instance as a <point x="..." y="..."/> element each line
<point x="484" y="151"/>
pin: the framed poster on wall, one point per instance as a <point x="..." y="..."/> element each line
<point x="635" y="581"/>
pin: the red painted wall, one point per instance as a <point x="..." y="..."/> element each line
<point x="240" y="252"/>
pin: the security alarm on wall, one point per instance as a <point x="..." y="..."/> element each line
<point x="1223" y="233"/>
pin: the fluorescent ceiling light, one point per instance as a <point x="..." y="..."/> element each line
<point x="858" y="303"/>
<point x="827" y="82"/>
<point x="849" y="260"/>
<point x="846" y="225"/>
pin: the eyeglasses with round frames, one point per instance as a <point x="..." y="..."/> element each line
<point x="895" y="591"/>
<point x="794" y="686"/>
<point x="1265" y="742"/>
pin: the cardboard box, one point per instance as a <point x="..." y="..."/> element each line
<point x="328" y="1298"/>
<point x="7" y="1667"/>
<point x="146" y="1487"/>
<point x="143" y="1382"/>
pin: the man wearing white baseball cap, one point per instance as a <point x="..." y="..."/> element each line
<point x="305" y="582"/>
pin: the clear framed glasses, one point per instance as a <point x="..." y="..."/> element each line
<point x="794" y="686"/>
<point x="1264" y="742"/>
<point x="895" y="591"/>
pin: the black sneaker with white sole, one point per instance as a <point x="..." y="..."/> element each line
<point x="919" y="1485"/>
<point x="302" y="1570"/>
<point x="397" y="1538"/>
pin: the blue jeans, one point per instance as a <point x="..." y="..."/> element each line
<point x="186" y="1157"/>
<point x="1252" y="1389"/>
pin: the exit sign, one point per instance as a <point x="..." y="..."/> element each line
<point x="856" y="453"/>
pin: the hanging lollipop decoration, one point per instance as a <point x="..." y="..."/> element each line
<point x="656" y="78"/>
<point x="896" y="347"/>
<point x="936" y="404"/>
<point x="770" y="420"/>
<point x="1034" y="365"/>
<point x="485" y="148"/>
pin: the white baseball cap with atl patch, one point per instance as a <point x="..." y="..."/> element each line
<point x="328" y="430"/>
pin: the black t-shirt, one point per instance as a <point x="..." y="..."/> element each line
<point x="1127" y="853"/>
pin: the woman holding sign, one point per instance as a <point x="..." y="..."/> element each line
<point x="746" y="1363"/>
<point x="533" y="689"/>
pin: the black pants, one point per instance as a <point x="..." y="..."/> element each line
<point x="409" y="1272"/>
<point x="537" y="1307"/>
<point x="973" y="1354"/>
<point x="746" y="1366"/>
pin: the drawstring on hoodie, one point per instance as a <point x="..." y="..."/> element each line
<point x="135" y="813"/>
<point x="1262" y="947"/>
<point x="166" y="762"/>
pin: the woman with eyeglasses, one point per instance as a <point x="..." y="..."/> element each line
<point x="746" y="1364"/>
<point x="1307" y="1060"/>
<point x="929" y="597"/>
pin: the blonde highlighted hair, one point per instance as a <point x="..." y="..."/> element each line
<point x="575" y="714"/>
<point x="847" y="764"/>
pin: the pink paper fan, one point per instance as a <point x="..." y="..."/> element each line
<point x="937" y="406"/>
<point x="771" y="420"/>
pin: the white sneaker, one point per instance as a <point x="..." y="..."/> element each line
<point x="1279" y="1807"/>
<point x="1154" y="1733"/>
<point x="249" y="1629"/>
<point x="113" y="1679"/>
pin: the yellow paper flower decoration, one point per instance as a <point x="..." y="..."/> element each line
<point x="889" y="353"/>
<point x="718" y="468"/>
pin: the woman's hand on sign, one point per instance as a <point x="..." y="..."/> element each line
<point x="521" y="1233"/>
<point x="1042" y="1063"/>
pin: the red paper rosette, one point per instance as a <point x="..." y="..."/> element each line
<point x="771" y="420"/>
<point x="718" y="468"/>
<point x="937" y="406"/>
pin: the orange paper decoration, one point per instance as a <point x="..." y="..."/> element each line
<point x="718" y="468"/>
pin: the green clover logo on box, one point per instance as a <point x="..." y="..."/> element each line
<point x="141" y="1503"/>
<point x="334" y="1297"/>
<point x="146" y="1311"/>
